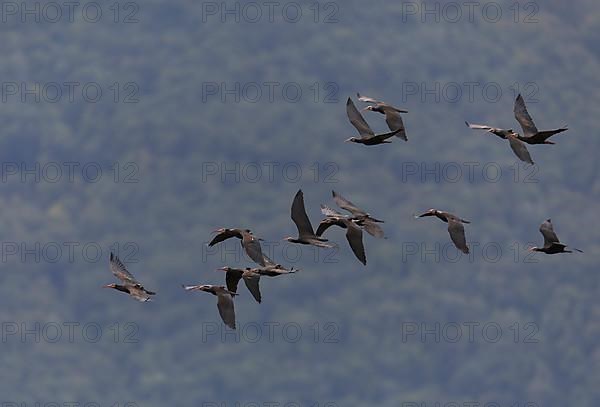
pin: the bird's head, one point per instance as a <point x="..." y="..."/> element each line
<point x="288" y="239"/>
<point x="225" y="269"/>
<point x="534" y="249"/>
<point x="220" y="230"/>
<point x="351" y="140"/>
<point x="368" y="108"/>
<point x="112" y="285"/>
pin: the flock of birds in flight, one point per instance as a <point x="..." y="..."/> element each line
<point x="354" y="222"/>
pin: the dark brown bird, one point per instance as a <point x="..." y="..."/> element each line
<point x="367" y="135"/>
<point x="250" y="277"/>
<point x="306" y="234"/>
<point x="392" y="114"/>
<point x="130" y="285"/>
<point x="250" y="243"/>
<point x="353" y="232"/>
<point x="277" y="269"/>
<point x="551" y="243"/>
<point x="224" y="301"/>
<point x="514" y="140"/>
<point x="531" y="135"/>
<point x="455" y="227"/>
<point x="361" y="217"/>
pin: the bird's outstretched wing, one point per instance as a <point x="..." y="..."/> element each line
<point x="226" y="309"/>
<point x="547" y="230"/>
<point x="347" y="205"/>
<point x="478" y="126"/>
<point x="120" y="271"/>
<point x="194" y="287"/>
<point x="326" y="224"/>
<point x="520" y="150"/>
<point x="327" y="211"/>
<point x="252" y="247"/>
<point x="457" y="234"/>
<point x="367" y="99"/>
<point x="524" y="118"/>
<point x="394" y="122"/>
<point x="252" y="283"/>
<point x="357" y="120"/>
<point x="232" y="278"/>
<point x="226" y="234"/>
<point x="300" y="217"/>
<point x="373" y="228"/>
<point x="354" y="237"/>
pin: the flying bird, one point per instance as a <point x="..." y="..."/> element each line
<point x="224" y="301"/>
<point x="249" y="242"/>
<point x="277" y="269"/>
<point x="251" y="279"/>
<point x="306" y="234"/>
<point x="551" y="243"/>
<point x="353" y="231"/>
<point x="361" y="217"/>
<point x="531" y="134"/>
<point x="130" y="285"/>
<point x="367" y="135"/>
<point x="514" y="140"/>
<point x="392" y="114"/>
<point x="455" y="227"/>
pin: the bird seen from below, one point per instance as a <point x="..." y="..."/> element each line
<point x="353" y="231"/>
<point x="455" y="227"/>
<point x="551" y="243"/>
<point x="224" y="301"/>
<point x="249" y="242"/>
<point x="531" y="135"/>
<point x="517" y="146"/>
<point x="367" y="135"/>
<point x="130" y="285"/>
<point x="251" y="279"/>
<point x="392" y="114"/>
<point x="361" y="217"/>
<point x="306" y="234"/>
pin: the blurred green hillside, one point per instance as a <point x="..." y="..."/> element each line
<point x="163" y="147"/>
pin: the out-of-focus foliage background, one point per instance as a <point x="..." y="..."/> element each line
<point x="173" y="134"/>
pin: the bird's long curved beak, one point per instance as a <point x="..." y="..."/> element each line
<point x="348" y="140"/>
<point x="465" y="221"/>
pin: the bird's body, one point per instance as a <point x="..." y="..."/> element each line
<point x="249" y="242"/>
<point x="353" y="231"/>
<point x="392" y="114"/>
<point x="224" y="301"/>
<point x="251" y="279"/>
<point x="455" y="227"/>
<point x="367" y="135"/>
<point x="531" y="135"/>
<point x="130" y="285"/>
<point x="551" y="243"/>
<point x="360" y="217"/>
<point x="514" y="140"/>
<point x="306" y="234"/>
